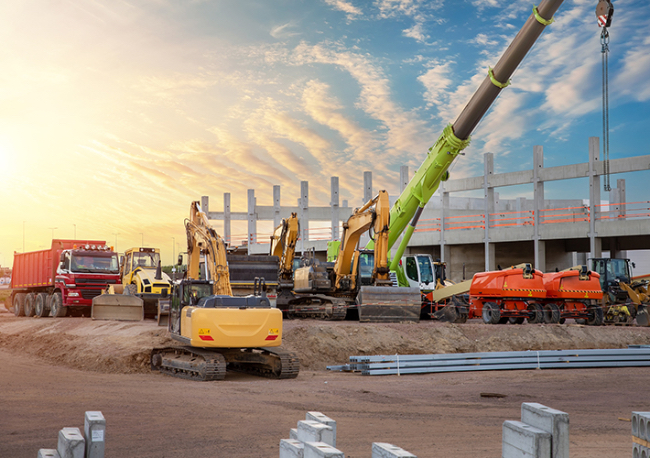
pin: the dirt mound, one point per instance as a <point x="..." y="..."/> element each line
<point x="124" y="347"/>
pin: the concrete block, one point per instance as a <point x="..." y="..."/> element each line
<point x="291" y="448"/>
<point x="48" y="453"/>
<point x="324" y="419"/>
<point x="640" y="451"/>
<point x="293" y="434"/>
<point x="524" y="441"/>
<point x="95" y="434"/>
<point x="71" y="443"/>
<point x="384" y="450"/>
<point x="551" y="421"/>
<point x="315" y="431"/>
<point x="321" y="450"/>
<point x="640" y="425"/>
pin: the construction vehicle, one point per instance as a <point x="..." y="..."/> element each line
<point x="217" y="330"/>
<point x="442" y="299"/>
<point x="573" y="293"/>
<point x="406" y="212"/>
<point x="64" y="279"/>
<point x="357" y="284"/>
<point x="623" y="297"/>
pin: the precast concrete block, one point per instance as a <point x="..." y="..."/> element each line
<point x="315" y="431"/>
<point x="321" y="450"/>
<point x="640" y="425"/>
<point x="324" y="419"/>
<point x="95" y="434"/>
<point x="48" y="453"/>
<point x="293" y="434"/>
<point x="639" y="451"/>
<point x="291" y="448"/>
<point x="551" y="421"/>
<point x="71" y="443"/>
<point x="384" y="450"/>
<point x="524" y="441"/>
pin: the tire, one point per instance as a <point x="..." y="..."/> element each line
<point x="551" y="313"/>
<point x="30" y="300"/>
<point x="130" y="290"/>
<point x="58" y="310"/>
<point x="40" y="306"/>
<point x="491" y="313"/>
<point x="535" y="314"/>
<point x="596" y="316"/>
<point x="19" y="304"/>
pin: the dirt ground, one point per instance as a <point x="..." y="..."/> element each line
<point x="53" y="370"/>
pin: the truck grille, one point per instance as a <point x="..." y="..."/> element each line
<point x="96" y="281"/>
<point x="90" y="293"/>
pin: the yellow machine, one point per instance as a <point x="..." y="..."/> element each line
<point x="220" y="331"/>
<point x="142" y="276"/>
<point x="358" y="282"/>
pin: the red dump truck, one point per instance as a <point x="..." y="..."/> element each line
<point x="64" y="279"/>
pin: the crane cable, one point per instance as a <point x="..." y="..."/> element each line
<point x="604" y="41"/>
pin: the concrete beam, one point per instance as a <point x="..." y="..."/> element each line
<point x="48" y="453"/>
<point x="315" y="431"/>
<point x="384" y="450"/>
<point x="551" y="421"/>
<point x="641" y="425"/>
<point x="71" y="443"/>
<point x="321" y="450"/>
<point x="95" y="434"/>
<point x="522" y="440"/>
<point x="291" y="448"/>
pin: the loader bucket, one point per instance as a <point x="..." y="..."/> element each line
<point x="388" y="304"/>
<point x="117" y="307"/>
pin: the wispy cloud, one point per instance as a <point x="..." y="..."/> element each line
<point x="352" y="12"/>
<point x="283" y="31"/>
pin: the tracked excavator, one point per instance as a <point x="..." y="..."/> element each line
<point x="358" y="283"/>
<point x="217" y="331"/>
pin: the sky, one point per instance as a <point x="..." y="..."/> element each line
<point x="116" y="114"/>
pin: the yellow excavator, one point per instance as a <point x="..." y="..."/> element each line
<point x="357" y="284"/>
<point x="217" y="330"/>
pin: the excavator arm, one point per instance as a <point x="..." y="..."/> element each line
<point x="283" y="245"/>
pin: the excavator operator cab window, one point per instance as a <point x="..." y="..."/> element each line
<point x="426" y="272"/>
<point x="411" y="268"/>
<point x="192" y="293"/>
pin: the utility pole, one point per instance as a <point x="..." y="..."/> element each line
<point x="52" y="231"/>
<point x="116" y="234"/>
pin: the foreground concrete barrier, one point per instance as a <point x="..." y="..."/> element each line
<point x="384" y="450"/>
<point x="291" y="448"/>
<point x="641" y="434"/>
<point x="321" y="450"/>
<point x="524" y="441"/>
<point x="324" y="419"/>
<point x="71" y="443"/>
<point x="315" y="431"/>
<point x="48" y="453"/>
<point x="95" y="434"/>
<point x="554" y="422"/>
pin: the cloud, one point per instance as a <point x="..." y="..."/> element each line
<point x="632" y="80"/>
<point x="351" y="11"/>
<point x="283" y="31"/>
<point x="482" y="40"/>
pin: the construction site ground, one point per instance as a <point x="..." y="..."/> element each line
<point x="53" y="370"/>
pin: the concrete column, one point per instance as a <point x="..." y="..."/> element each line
<point x="334" y="203"/>
<point x="488" y="195"/>
<point x="95" y="434"/>
<point x="403" y="178"/>
<point x="71" y="443"/>
<point x="578" y="259"/>
<point x="367" y="187"/>
<point x="252" y="220"/>
<point x="539" y="247"/>
<point x="595" y="244"/>
<point x="620" y="185"/>
<point x="554" y="422"/>
<point x="384" y="450"/>
<point x="277" y="209"/>
<point x="226" y="218"/>
<point x="304" y="214"/>
<point x="205" y="204"/>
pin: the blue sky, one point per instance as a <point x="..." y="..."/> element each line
<point x="114" y="115"/>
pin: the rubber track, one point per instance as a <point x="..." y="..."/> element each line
<point x="212" y="368"/>
<point x="290" y="365"/>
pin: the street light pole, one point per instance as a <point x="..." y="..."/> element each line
<point x="173" y="250"/>
<point x="52" y="231"/>
<point x="116" y="234"/>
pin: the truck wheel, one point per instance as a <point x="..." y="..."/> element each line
<point x="491" y="313"/>
<point x="29" y="304"/>
<point x="596" y="316"/>
<point x="535" y="314"/>
<point x="58" y="310"/>
<point x="130" y="290"/>
<point x="40" y="306"/>
<point x="551" y="313"/>
<point x="19" y="304"/>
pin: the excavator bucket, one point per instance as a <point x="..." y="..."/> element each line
<point x="388" y="304"/>
<point x="117" y="307"/>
